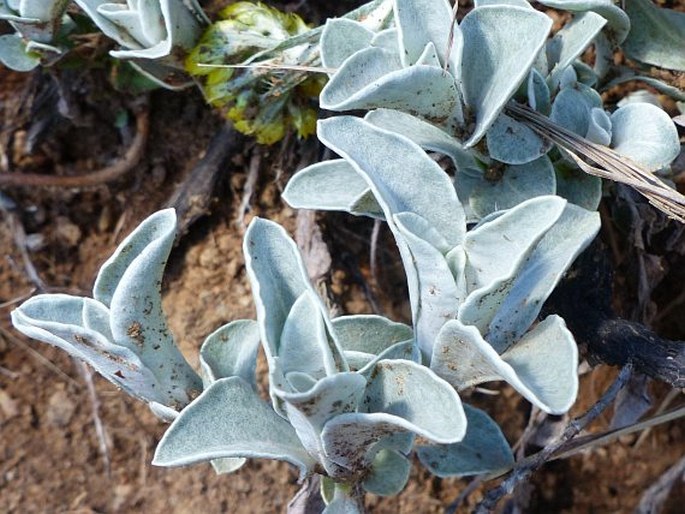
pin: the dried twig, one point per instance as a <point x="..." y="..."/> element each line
<point x="612" y="165"/>
<point x="8" y="336"/>
<point x="192" y="197"/>
<point x="87" y="375"/>
<point x="526" y="467"/>
<point x="94" y="178"/>
<point x="249" y="188"/>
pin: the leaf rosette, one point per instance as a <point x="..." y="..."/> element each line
<point x="121" y="331"/>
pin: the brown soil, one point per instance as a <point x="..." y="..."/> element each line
<point x="50" y="453"/>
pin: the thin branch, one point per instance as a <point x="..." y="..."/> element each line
<point x="8" y="336"/>
<point x="87" y="375"/>
<point x="526" y="467"/>
<point x="94" y="178"/>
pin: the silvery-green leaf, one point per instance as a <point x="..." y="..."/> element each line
<point x="58" y="319"/>
<point x="425" y="21"/>
<point x="617" y="20"/>
<point x="277" y="275"/>
<point x="429" y="57"/>
<point x="500" y="46"/>
<point x="645" y="134"/>
<point x="230" y="420"/>
<point x="309" y="411"/>
<point x="13" y="53"/>
<point x="166" y="414"/>
<point x="369" y="333"/>
<point x="656" y="35"/>
<point x="536" y="280"/>
<point x="341" y="38"/>
<point x="388" y="474"/>
<point x="329" y="185"/>
<point x="299" y="381"/>
<point x="374" y="77"/>
<point x="130" y="284"/>
<point x="438" y="296"/>
<point x="231" y="351"/>
<point x="402" y="177"/>
<point x="495" y="250"/>
<point x="546" y="360"/>
<point x="483" y="450"/>
<point x="176" y="23"/>
<point x="599" y="127"/>
<point x="571" y="41"/>
<point x="425" y="403"/>
<point x="568" y="77"/>
<point x="571" y="109"/>
<point x="585" y="74"/>
<point x="512" y="142"/>
<point x="402" y="396"/>
<point x="387" y="39"/>
<point x="517" y="184"/>
<point x="330" y="397"/>
<point x="538" y="92"/>
<point x="405" y="350"/>
<point x="154" y="236"/>
<point x="579" y="188"/>
<point x="108" y="27"/>
<point x="424" y="134"/>
<point x="546" y="379"/>
<point x="227" y="465"/>
<point x="304" y="344"/>
<point x="37" y="21"/>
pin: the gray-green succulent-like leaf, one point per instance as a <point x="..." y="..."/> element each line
<point x="401" y="396"/>
<point x="388" y="475"/>
<point x="571" y="41"/>
<point x="304" y="342"/>
<point x="310" y="410"/>
<point x="484" y="449"/>
<point x="231" y="351"/>
<point x="645" y="134"/>
<point x="34" y="20"/>
<point x="512" y="142"/>
<point x="366" y="337"/>
<point x="230" y="420"/>
<point x="538" y="92"/>
<point x="402" y="177"/>
<point x="516" y="184"/>
<point x="579" y="187"/>
<point x="541" y="272"/>
<point x="542" y="366"/>
<point x="59" y="320"/>
<point x="279" y="278"/>
<point x="618" y="21"/>
<point x="420" y="22"/>
<point x="496" y="250"/>
<point x="332" y="185"/>
<point x="374" y="77"/>
<point x="656" y="35"/>
<point x="153" y="34"/>
<point x="15" y="55"/>
<point x="500" y="45"/>
<point x="438" y="292"/>
<point x="342" y="37"/>
<point x="124" y="324"/>
<point x="425" y="134"/>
